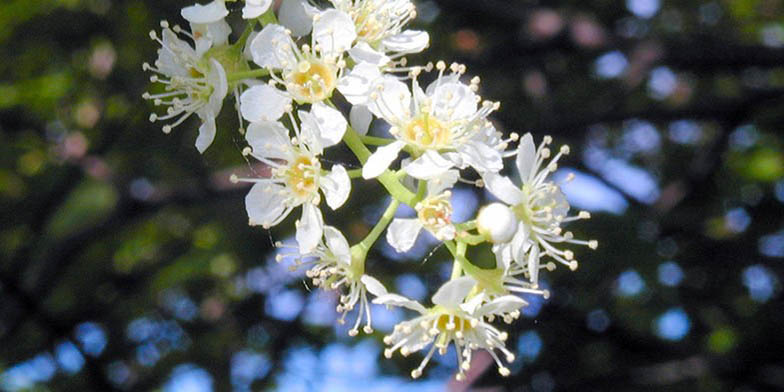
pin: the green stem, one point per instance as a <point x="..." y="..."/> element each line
<point x="354" y="173"/>
<point x="464" y="237"/>
<point x="245" y="34"/>
<point x="388" y="178"/>
<point x="470" y="225"/>
<point x="360" y="250"/>
<point x="268" y="17"/>
<point x="255" y="73"/>
<point x="457" y="270"/>
<point x="375" y="141"/>
<point x="421" y="190"/>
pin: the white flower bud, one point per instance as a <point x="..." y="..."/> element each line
<point x="497" y="222"/>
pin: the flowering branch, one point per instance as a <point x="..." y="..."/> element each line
<point x="357" y="49"/>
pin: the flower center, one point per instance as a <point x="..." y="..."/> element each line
<point x="435" y="212"/>
<point x="369" y="28"/>
<point x="426" y="131"/>
<point x="451" y="323"/>
<point x="301" y="175"/>
<point x="312" y="81"/>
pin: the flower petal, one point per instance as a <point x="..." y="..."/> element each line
<point x="442" y="182"/>
<point x="357" y="85"/>
<point x="452" y="293"/>
<point x="454" y="101"/>
<point x="206" y="135"/>
<point x="336" y="186"/>
<point x="271" y="48"/>
<point x="263" y="103"/>
<point x="381" y="159"/>
<point x="501" y="305"/>
<point x="254" y="8"/>
<point x="430" y="165"/>
<point x="297" y="16"/>
<point x="360" y="119"/>
<point x="503" y="188"/>
<point x="269" y="139"/>
<point x="362" y="52"/>
<point x="322" y="127"/>
<point x="481" y="157"/>
<point x="409" y="41"/>
<point x="337" y="244"/>
<point x="533" y="265"/>
<point x="373" y="286"/>
<point x="402" y="233"/>
<point x="334" y="31"/>
<point x="393" y="102"/>
<point x="264" y="204"/>
<point x="310" y="228"/>
<point x="204" y="14"/>
<point x="526" y="158"/>
<point x="399" y="300"/>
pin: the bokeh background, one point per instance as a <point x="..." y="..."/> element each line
<point x="126" y="262"/>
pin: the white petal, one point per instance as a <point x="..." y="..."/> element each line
<point x="357" y="85"/>
<point x="455" y="101"/>
<point x="271" y="48"/>
<point x="393" y="102"/>
<point x="337" y="244"/>
<point x="360" y="119"/>
<point x="373" y="286"/>
<point x="254" y="8"/>
<point x="533" y="265"/>
<point x="402" y="233"/>
<point x="334" y="31"/>
<point x="381" y="159"/>
<point x="263" y="103"/>
<point x="362" y="52"/>
<point x="519" y="245"/>
<point x="297" y="16"/>
<point x="452" y="293"/>
<point x="503" y="188"/>
<point x="501" y="305"/>
<point x="526" y="158"/>
<point x="206" y="135"/>
<point x="336" y="186"/>
<point x="442" y="182"/>
<point x="209" y="13"/>
<point x="310" y="228"/>
<point x="481" y="157"/>
<point x="264" y="204"/>
<point x="220" y="87"/>
<point x="323" y="125"/>
<point x="409" y="41"/>
<point x="269" y="139"/>
<point x="430" y="165"/>
<point x="399" y="300"/>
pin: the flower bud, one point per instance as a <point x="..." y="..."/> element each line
<point x="496" y="222"/>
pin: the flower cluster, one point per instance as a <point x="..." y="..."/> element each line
<point x="310" y="79"/>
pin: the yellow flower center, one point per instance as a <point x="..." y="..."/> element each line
<point x="312" y="81"/>
<point x="457" y="323"/>
<point x="301" y="175"/>
<point x="427" y="132"/>
<point x="435" y="212"/>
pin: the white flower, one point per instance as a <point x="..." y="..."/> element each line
<point x="296" y="174"/>
<point x="254" y="8"/>
<point x="208" y="26"/>
<point x="193" y="83"/>
<point x="309" y="73"/>
<point x="434" y="213"/>
<point x="331" y="268"/>
<point x="539" y="207"/>
<point x="443" y="126"/>
<point x="454" y="318"/>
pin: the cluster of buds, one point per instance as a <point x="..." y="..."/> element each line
<point x="284" y="77"/>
